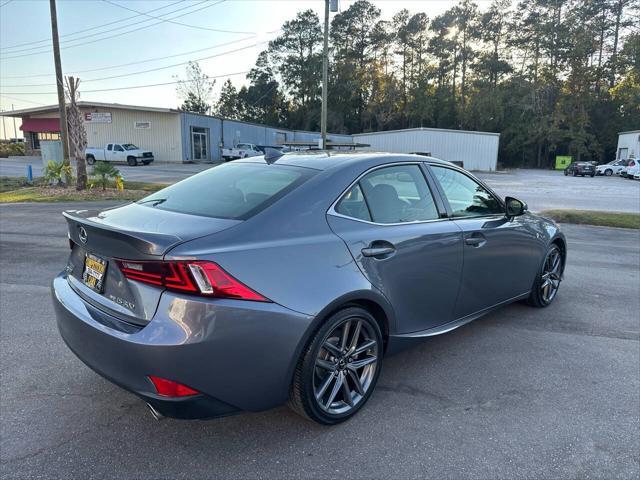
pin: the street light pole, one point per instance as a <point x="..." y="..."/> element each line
<point x="64" y="133"/>
<point x="325" y="75"/>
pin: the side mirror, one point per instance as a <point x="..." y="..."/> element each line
<point x="515" y="207"/>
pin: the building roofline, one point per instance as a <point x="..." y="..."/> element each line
<point x="85" y="104"/>
<point x="427" y="129"/>
<point x="629" y="131"/>
<point x="89" y="104"/>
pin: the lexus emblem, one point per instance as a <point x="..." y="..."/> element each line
<point x="82" y="234"/>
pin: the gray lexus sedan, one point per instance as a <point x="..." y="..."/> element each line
<point x="289" y="278"/>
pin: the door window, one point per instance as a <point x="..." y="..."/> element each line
<point x="118" y="148"/>
<point x="397" y="194"/>
<point x="466" y="197"/>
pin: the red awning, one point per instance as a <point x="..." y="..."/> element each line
<point x="40" y="125"/>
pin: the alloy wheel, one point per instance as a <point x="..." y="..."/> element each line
<point x="551" y="275"/>
<point x="345" y="366"/>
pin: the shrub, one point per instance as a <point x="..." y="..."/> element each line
<point x="11" y="149"/>
<point x="56" y="172"/>
<point x="103" y="172"/>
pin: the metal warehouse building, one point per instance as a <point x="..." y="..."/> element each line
<point x="176" y="136"/>
<point x="477" y="150"/>
<point x="628" y="145"/>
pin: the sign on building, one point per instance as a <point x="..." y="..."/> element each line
<point x="142" y="125"/>
<point x="97" y="117"/>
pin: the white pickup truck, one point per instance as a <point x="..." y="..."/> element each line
<point x="242" y="150"/>
<point x="119" y="152"/>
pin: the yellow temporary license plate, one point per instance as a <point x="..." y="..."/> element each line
<point x="94" y="272"/>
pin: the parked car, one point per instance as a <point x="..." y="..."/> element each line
<point x="259" y="282"/>
<point x="119" y="152"/>
<point x="242" y="150"/>
<point x="633" y="166"/>
<point x="612" y="168"/>
<point x="580" y="168"/>
<point x="636" y="176"/>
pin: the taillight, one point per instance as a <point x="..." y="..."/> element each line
<point x="197" y="277"/>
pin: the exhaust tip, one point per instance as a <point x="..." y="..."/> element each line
<point x="155" y="413"/>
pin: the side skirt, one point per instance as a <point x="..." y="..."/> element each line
<point x="401" y="341"/>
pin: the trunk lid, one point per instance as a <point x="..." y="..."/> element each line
<point x="130" y="232"/>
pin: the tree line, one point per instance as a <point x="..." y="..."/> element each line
<point x="553" y="77"/>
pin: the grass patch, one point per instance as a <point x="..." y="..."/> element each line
<point x="589" y="217"/>
<point x="16" y="189"/>
<point x="13" y="183"/>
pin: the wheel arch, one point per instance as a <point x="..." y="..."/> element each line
<point x="371" y="301"/>
<point x="561" y="242"/>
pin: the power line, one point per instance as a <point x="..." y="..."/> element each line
<point x="132" y="87"/>
<point x="136" y="29"/>
<point x="176" y="23"/>
<point x="138" y="62"/>
<point x="8" y="47"/>
<point x="134" y="24"/>
<point x="145" y="71"/>
<point x="21" y="100"/>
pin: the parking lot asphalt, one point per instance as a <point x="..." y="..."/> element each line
<point x="156" y="172"/>
<point x="541" y="189"/>
<point x="520" y="393"/>
<point x="549" y="189"/>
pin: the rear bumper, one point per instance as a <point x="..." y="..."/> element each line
<point x="239" y="354"/>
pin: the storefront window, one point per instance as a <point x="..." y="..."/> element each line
<point x="48" y="136"/>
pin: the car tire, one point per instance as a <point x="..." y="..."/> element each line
<point x="326" y="365"/>
<point x="91" y="160"/>
<point x="608" y="172"/>
<point x="543" y="293"/>
<point x="566" y="173"/>
<point x="132" y="161"/>
<point x="592" y="175"/>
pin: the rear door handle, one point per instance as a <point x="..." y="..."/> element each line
<point x="378" y="249"/>
<point x="476" y="240"/>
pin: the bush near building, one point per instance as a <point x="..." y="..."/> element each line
<point x="8" y="149"/>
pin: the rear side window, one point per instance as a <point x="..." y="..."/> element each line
<point x="234" y="190"/>
<point x="110" y="147"/>
<point x="353" y="204"/>
<point x="396" y="194"/>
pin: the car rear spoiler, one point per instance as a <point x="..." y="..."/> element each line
<point x="86" y="227"/>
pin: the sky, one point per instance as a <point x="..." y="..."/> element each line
<point x="108" y="45"/>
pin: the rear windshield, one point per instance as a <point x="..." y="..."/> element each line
<point x="233" y="190"/>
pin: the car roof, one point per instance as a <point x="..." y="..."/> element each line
<point x="324" y="160"/>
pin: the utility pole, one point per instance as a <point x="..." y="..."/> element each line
<point x="325" y="76"/>
<point x="4" y="127"/>
<point x="64" y="133"/>
<point x="15" y="132"/>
